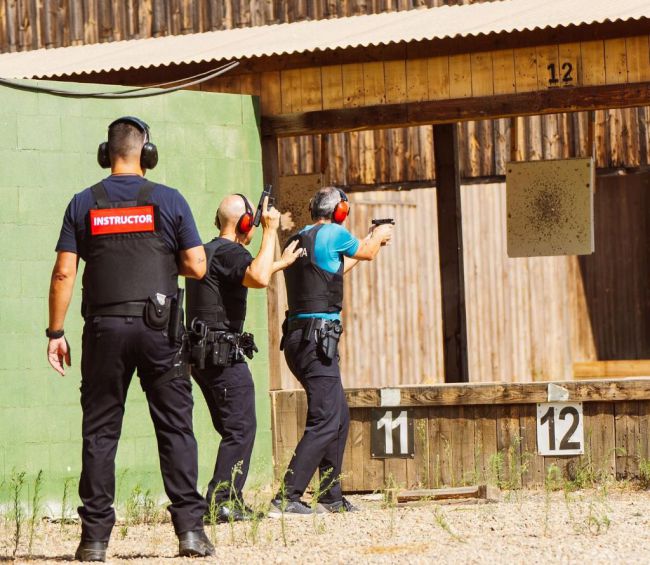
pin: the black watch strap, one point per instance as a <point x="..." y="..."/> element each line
<point x="54" y="335"/>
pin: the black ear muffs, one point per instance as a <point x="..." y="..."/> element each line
<point x="342" y="209"/>
<point x="245" y="222"/>
<point x="149" y="153"/>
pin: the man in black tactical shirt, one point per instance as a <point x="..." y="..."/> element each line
<point x="216" y="310"/>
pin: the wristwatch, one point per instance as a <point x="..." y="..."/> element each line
<point x="54" y="335"/>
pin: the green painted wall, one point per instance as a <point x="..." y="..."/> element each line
<point x="209" y="146"/>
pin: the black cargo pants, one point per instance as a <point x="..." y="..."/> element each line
<point x="230" y="395"/>
<point x="328" y="420"/>
<point x="113" y="347"/>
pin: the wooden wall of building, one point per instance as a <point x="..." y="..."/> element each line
<point x="34" y="24"/>
<point x="529" y="319"/>
<point x="402" y="155"/>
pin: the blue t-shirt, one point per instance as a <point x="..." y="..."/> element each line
<point x="333" y="242"/>
<point x="177" y="223"/>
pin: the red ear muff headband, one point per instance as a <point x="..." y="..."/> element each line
<point x="342" y="209"/>
<point x="245" y="223"/>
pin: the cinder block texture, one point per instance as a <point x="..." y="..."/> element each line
<point x="209" y="146"/>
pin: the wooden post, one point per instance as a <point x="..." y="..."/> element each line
<point x="450" y="242"/>
<point x="270" y="166"/>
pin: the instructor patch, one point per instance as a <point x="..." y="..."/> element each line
<point x="122" y="220"/>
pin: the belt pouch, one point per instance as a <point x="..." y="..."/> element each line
<point x="221" y="353"/>
<point x="156" y="315"/>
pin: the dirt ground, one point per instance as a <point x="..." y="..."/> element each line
<point x="596" y="526"/>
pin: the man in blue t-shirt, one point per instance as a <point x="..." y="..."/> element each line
<point x="135" y="238"/>
<point x="311" y="334"/>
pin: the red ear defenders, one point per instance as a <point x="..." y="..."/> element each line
<point x="245" y="222"/>
<point x="149" y="154"/>
<point x="341" y="210"/>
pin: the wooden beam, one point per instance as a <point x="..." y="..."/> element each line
<point x="609" y="369"/>
<point x="270" y="166"/>
<point x="450" y="244"/>
<point x="549" y="101"/>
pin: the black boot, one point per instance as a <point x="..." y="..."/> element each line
<point x="91" y="551"/>
<point x="194" y="544"/>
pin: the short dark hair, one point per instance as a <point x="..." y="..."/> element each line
<point x="324" y="202"/>
<point x="125" y="140"/>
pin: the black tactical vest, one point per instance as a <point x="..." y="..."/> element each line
<point x="309" y="288"/>
<point x="223" y="308"/>
<point x="127" y="258"/>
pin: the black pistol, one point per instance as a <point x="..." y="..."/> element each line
<point x="382" y="221"/>
<point x="268" y="189"/>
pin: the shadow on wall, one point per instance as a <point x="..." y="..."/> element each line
<point x="616" y="277"/>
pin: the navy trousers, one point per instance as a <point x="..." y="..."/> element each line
<point x="113" y="348"/>
<point x="230" y="395"/>
<point x="328" y="420"/>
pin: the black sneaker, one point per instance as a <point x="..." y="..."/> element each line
<point x="289" y="508"/>
<point x="194" y="544"/>
<point x="343" y="505"/>
<point x="91" y="551"/>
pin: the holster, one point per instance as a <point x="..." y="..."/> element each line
<point x="329" y="335"/>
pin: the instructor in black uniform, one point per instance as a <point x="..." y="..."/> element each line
<point x="136" y="237"/>
<point x="311" y="334"/>
<point x="216" y="310"/>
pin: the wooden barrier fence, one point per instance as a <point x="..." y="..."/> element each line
<point x="469" y="433"/>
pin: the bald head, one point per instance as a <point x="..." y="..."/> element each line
<point x="230" y="210"/>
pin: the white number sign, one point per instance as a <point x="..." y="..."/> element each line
<point x="560" y="429"/>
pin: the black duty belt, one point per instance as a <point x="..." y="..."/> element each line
<point x="132" y="309"/>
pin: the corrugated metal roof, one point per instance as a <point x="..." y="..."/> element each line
<point x="369" y="30"/>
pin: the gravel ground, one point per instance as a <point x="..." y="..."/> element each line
<point x="524" y="527"/>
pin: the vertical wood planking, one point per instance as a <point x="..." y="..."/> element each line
<point x="533" y="464"/>
<point x="626" y="420"/>
<point x="271" y="90"/>
<point x="600" y="437"/>
<point x="509" y="441"/>
<point x="460" y="76"/>
<point x="525" y="69"/>
<point x="352" y="75"/>
<point x="332" y="85"/>
<point x="356" y="453"/>
<point x="291" y="96"/>
<point x="395" y="81"/>
<point x="638" y="58"/>
<point x="417" y="80"/>
<point x="438" y="78"/>
<point x="311" y="89"/>
<point x="615" y="61"/>
<point x="503" y="65"/>
<point x="482" y="74"/>
<point x="593" y="62"/>
<point x="485" y="440"/>
<point x="373" y="83"/>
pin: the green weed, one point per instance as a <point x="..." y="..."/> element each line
<point x="36" y="507"/>
<point x="17" y="483"/>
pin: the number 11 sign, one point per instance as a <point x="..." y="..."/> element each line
<point x="560" y="429"/>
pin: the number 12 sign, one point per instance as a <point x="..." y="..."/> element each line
<point x="560" y="429"/>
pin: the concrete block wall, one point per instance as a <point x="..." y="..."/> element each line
<point x="209" y="146"/>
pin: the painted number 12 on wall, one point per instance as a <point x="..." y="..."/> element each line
<point x="560" y="428"/>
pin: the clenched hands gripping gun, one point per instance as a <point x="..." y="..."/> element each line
<point x="268" y="189"/>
